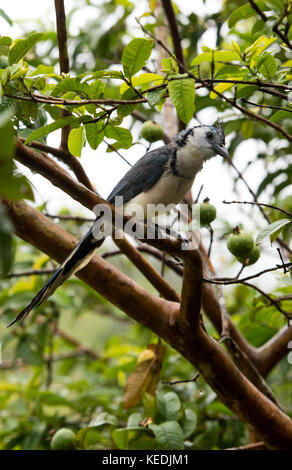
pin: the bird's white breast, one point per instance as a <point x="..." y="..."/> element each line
<point x="170" y="189"/>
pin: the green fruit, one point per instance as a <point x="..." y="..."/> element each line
<point x="207" y="213"/>
<point x="151" y="131"/>
<point x="251" y="258"/>
<point x="64" y="439"/>
<point x="240" y="244"/>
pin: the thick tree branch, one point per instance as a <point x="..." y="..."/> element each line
<point x="147" y="269"/>
<point x="163" y="318"/>
<point x="169" y="13"/>
<point x="63" y="60"/>
<point x="268" y="355"/>
<point x="192" y="290"/>
<point x="73" y="163"/>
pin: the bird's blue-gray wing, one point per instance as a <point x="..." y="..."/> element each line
<point x="143" y="175"/>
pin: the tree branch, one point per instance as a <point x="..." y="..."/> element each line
<point x="63" y="60"/>
<point x="192" y="290"/>
<point x="169" y="13"/>
<point x="163" y="318"/>
<point x="72" y="162"/>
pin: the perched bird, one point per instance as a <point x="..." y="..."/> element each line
<point x="161" y="176"/>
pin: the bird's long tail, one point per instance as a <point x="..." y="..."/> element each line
<point x="77" y="259"/>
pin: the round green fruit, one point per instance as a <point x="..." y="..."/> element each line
<point x="64" y="439"/>
<point x="240" y="244"/>
<point x="251" y="258"/>
<point x="207" y="213"/>
<point x="151" y="131"/>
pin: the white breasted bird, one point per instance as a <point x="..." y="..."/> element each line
<point x="161" y="176"/>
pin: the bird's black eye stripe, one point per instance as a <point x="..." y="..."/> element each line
<point x="209" y="135"/>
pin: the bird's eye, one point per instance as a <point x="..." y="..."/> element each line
<point x="209" y="135"/>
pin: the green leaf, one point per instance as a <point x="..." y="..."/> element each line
<point x="221" y="87"/>
<point x="245" y="91"/>
<point x="169" y="435"/>
<point x="126" y="109"/>
<point x="106" y="74"/>
<point x="276" y="5"/>
<point x="29" y="353"/>
<point x="258" y="26"/>
<point x="189" y="423"/>
<point x="5" y="41"/>
<point x="168" y="405"/>
<point x="257" y="48"/>
<point x="169" y="65"/>
<point x="45" y="130"/>
<point x="267" y="66"/>
<point x="273" y="230"/>
<point x="42" y="69"/>
<point x="245" y="11"/>
<point x="182" y="94"/>
<point x="125" y="3"/>
<point x="5" y="16"/>
<point x="134" y="420"/>
<point x="96" y="89"/>
<point x="71" y="84"/>
<point x="55" y="399"/>
<point x="230" y="71"/>
<point x="143" y="79"/>
<point x="120" y="134"/>
<point x="76" y="141"/>
<point x="217" y="56"/>
<point x="12" y="185"/>
<point x="94" y="134"/>
<point x="281" y="114"/>
<point x="6" y="136"/>
<point x="247" y="128"/>
<point x="155" y="96"/>
<point x="272" y="176"/>
<point x="6" y="247"/>
<point x="104" y="418"/>
<point x="120" y="438"/>
<point x="135" y="55"/>
<point x="22" y="46"/>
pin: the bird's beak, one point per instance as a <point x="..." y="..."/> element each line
<point x="220" y="150"/>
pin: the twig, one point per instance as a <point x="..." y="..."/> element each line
<point x="175" y="382"/>
<point x="118" y="153"/>
<point x="230" y="280"/>
<point x="285" y="270"/>
<point x="275" y="28"/>
<point x="211" y="240"/>
<point x="199" y="194"/>
<point x="274" y="302"/>
<point x="256" y="203"/>
<point x="244" y="100"/>
<point x="30" y="272"/>
<point x="69" y="217"/>
<point x="257" y="117"/>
